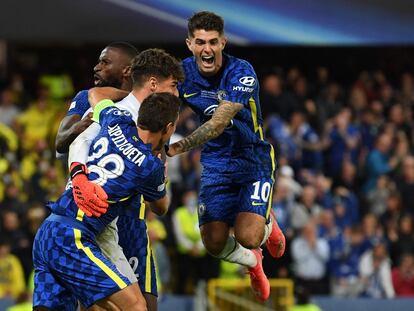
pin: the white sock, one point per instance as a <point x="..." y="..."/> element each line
<point x="234" y="252"/>
<point x="267" y="230"/>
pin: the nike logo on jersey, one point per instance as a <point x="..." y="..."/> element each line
<point x="254" y="203"/>
<point x="189" y="95"/>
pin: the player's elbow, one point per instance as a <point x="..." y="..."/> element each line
<point x="60" y="145"/>
<point x="160" y="207"/>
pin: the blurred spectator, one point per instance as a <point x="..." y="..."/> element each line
<point x="375" y="272"/>
<point x="379" y="161"/>
<point x="306" y="140"/>
<point x="157" y="233"/>
<point x="344" y="262"/>
<point x="405" y="184"/>
<point x="307" y="209"/>
<point x="391" y="217"/>
<point x="310" y="256"/>
<point x="373" y="231"/>
<point x="378" y="196"/>
<point x="328" y="104"/>
<point x="358" y="101"/>
<point x="273" y="100"/>
<point x="282" y="205"/>
<point x="35" y="123"/>
<point x="189" y="244"/>
<point x="396" y="117"/>
<point x="369" y="128"/>
<point x="348" y="177"/>
<point x="8" y="108"/>
<point x="346" y="208"/>
<point x="344" y="141"/>
<point x="19" y="242"/>
<point x="402" y="238"/>
<point x="406" y="96"/>
<point x="12" y="282"/>
<point x="403" y="276"/>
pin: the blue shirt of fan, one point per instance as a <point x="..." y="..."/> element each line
<point x="122" y="164"/>
<point x="241" y="147"/>
<point x="80" y="104"/>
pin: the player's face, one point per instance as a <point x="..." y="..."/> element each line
<point x="111" y="68"/>
<point x="169" y="86"/>
<point x="207" y="47"/>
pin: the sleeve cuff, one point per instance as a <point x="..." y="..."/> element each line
<point x="105" y="103"/>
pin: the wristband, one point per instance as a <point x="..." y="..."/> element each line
<point x="76" y="169"/>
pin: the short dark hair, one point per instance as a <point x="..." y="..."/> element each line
<point x="157" y="63"/>
<point x="157" y="110"/>
<point x="127" y="48"/>
<point x="205" y="20"/>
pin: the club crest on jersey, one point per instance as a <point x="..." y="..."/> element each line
<point x="221" y="95"/>
<point x="201" y="209"/>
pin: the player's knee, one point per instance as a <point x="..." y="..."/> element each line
<point x="248" y="240"/>
<point x="214" y="242"/>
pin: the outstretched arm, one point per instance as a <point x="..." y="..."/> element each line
<point x="221" y="118"/>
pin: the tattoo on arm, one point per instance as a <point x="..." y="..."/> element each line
<point x="211" y="129"/>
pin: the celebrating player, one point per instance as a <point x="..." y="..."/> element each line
<point x="153" y="71"/>
<point x="113" y="69"/>
<point x="238" y="164"/>
<point x="68" y="262"/>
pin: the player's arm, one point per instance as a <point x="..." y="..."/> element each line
<point x="90" y="197"/>
<point x="97" y="94"/>
<point x="73" y="124"/>
<point x="70" y="127"/>
<point x="221" y="118"/>
<point x="160" y="207"/>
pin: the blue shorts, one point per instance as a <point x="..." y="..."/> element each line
<point x="133" y="239"/>
<point x="69" y="266"/>
<point x="223" y="196"/>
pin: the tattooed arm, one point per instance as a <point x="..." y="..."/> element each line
<point x="211" y="129"/>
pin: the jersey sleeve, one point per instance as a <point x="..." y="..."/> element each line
<point x="241" y="84"/>
<point x="80" y="104"/>
<point x="106" y="113"/>
<point x="154" y="187"/>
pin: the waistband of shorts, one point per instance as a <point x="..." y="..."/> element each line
<point x="70" y="222"/>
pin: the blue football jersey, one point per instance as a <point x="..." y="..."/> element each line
<point x="80" y="104"/>
<point x="241" y="147"/>
<point x="122" y="164"/>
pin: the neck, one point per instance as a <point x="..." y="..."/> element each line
<point x="126" y="85"/>
<point x="150" y="138"/>
<point x="141" y="93"/>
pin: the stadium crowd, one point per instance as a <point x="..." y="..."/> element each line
<point x="344" y="194"/>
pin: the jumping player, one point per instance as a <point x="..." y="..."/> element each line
<point x="68" y="262"/>
<point x="238" y="163"/>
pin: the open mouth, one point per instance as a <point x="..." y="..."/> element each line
<point x="207" y="60"/>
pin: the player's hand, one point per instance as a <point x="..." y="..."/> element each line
<point x="83" y="124"/>
<point x="171" y="150"/>
<point x="89" y="197"/>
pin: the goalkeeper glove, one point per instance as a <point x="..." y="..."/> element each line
<point x="89" y="197"/>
